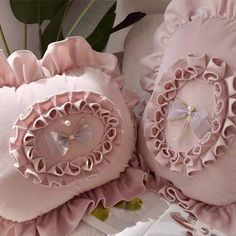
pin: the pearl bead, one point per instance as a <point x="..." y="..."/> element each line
<point x="67" y="123"/>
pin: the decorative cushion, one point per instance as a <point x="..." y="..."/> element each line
<point x="66" y="128"/>
<point x="187" y="134"/>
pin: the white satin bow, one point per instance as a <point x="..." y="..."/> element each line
<point x="197" y="120"/>
<point x="62" y="141"/>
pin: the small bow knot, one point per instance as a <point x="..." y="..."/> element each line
<point x="62" y="141"/>
<point x="190" y="110"/>
<point x="197" y="120"/>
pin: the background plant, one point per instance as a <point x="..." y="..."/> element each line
<point x="58" y="19"/>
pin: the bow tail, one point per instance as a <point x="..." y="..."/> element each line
<point x="200" y="124"/>
<point x="59" y="142"/>
<point x="184" y="128"/>
<point x="84" y="135"/>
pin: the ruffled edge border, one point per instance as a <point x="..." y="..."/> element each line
<point x="64" y="219"/>
<point x="177" y="14"/>
<point x="219" y="218"/>
<point x="22" y="67"/>
<point x="34" y="166"/>
<point x="222" y="132"/>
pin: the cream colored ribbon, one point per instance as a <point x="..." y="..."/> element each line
<point x="197" y="120"/>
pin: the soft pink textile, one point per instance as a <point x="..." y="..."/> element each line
<point x="72" y="89"/>
<point x="64" y="219"/>
<point x="50" y="167"/>
<point x="194" y="60"/>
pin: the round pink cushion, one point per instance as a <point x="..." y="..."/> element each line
<point x="205" y="29"/>
<point x="34" y="199"/>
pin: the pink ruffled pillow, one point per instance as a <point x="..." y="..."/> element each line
<point x="66" y="128"/>
<point x="188" y="129"/>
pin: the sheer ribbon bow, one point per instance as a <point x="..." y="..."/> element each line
<point x="197" y="120"/>
<point x="62" y="141"/>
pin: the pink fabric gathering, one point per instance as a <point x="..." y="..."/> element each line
<point x="187" y="132"/>
<point x="214" y="141"/>
<point x="67" y="138"/>
<point x="64" y="106"/>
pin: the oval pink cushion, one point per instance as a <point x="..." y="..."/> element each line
<point x="35" y="199"/>
<point x="81" y="76"/>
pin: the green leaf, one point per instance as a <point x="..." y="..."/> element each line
<point x="129" y="20"/>
<point x="100" y="36"/>
<point x="35" y="11"/>
<point x="52" y="30"/>
<point x="84" y="20"/>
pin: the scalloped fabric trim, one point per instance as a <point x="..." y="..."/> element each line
<point x="178" y="14"/>
<point x="222" y="132"/>
<point x="23" y="67"/>
<point x="62" y="221"/>
<point x="44" y="113"/>
<point x="221" y="218"/>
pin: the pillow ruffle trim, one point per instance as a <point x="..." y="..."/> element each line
<point x="217" y="140"/>
<point x="22" y="67"/>
<point x="179" y="13"/>
<point x="63" y="220"/>
<point x="32" y="165"/>
<point x="221" y="218"/>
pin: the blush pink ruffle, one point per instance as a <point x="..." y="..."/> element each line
<point x="221" y="218"/>
<point x="179" y="13"/>
<point x="23" y="67"/>
<point x="221" y="134"/>
<point x="42" y="114"/>
<point x="63" y="220"/>
<point x="73" y="53"/>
